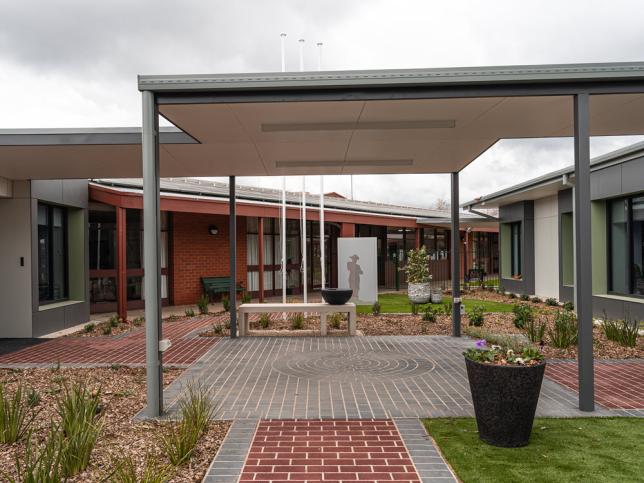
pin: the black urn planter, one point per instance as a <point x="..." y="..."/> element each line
<point x="336" y="296"/>
<point x="505" y="399"/>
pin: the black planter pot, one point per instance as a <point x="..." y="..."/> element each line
<point x="337" y="296"/>
<point x="505" y="400"/>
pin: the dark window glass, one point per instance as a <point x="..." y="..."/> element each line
<point x="626" y="246"/>
<point x="515" y="250"/>
<point x="102" y="238"/>
<point x="637" y="241"/>
<point x="52" y="253"/>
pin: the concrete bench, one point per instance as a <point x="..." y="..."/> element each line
<point x="316" y="308"/>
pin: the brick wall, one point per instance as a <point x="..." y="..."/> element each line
<point x="196" y="253"/>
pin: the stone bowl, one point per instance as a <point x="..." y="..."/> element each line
<point x="337" y="296"/>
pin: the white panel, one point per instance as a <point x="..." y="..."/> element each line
<point x="15" y="283"/>
<point x="357" y="267"/>
<point x="546" y="247"/>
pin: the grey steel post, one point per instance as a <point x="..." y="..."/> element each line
<point x="232" y="241"/>
<point x="152" y="254"/>
<point x="456" y="260"/>
<point x="583" y="253"/>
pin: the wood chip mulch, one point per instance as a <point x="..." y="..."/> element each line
<point x="123" y="396"/>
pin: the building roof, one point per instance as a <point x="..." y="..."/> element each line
<point x="550" y="183"/>
<point x="216" y="190"/>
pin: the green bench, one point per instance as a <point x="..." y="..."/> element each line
<point x="218" y="285"/>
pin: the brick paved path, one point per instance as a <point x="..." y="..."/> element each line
<point x="126" y="349"/>
<point x="330" y="450"/>
<point x="618" y="384"/>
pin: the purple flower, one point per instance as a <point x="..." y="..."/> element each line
<point x="481" y="344"/>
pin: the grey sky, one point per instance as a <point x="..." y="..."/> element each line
<point x="67" y="63"/>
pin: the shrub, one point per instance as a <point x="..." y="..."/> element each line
<point x="448" y="307"/>
<point x="40" y="464"/>
<point x="218" y="329"/>
<point x="264" y="321"/>
<point x="375" y="308"/>
<point x="180" y="443"/>
<point x="414" y="308"/>
<point x="202" y="303"/>
<point x="551" y="302"/>
<point x="125" y="471"/>
<point x="512" y="341"/>
<point x="512" y="295"/>
<point x="525" y="297"/>
<point x="225" y="301"/>
<point x="429" y="315"/>
<point x="297" y="322"/>
<point x="79" y="410"/>
<point x="15" y="417"/>
<point x="417" y="268"/>
<point x="246" y="298"/>
<point x="624" y="332"/>
<point x="564" y="331"/>
<point x="476" y="316"/>
<point x="89" y="327"/>
<point x="114" y="321"/>
<point x="335" y="320"/>
<point x="568" y="306"/>
<point x="107" y="329"/>
<point x="535" y="330"/>
<point x="138" y="321"/>
<point x="33" y="398"/>
<point x="190" y="312"/>
<point x="523" y="314"/>
<point x="535" y="300"/>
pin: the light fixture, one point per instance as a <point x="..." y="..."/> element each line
<point x="213" y="230"/>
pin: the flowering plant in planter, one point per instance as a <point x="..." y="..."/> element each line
<point x="418" y="276"/>
<point x="505" y="384"/>
<point x="498" y="355"/>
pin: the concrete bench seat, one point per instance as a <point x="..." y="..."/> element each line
<point x="315" y="308"/>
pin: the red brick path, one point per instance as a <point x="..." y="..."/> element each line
<point x="617" y="386"/>
<point x="328" y="450"/>
<point x="128" y="349"/>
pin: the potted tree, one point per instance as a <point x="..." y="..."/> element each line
<point x="418" y="277"/>
<point x="505" y="388"/>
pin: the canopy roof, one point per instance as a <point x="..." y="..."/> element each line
<point x="360" y="122"/>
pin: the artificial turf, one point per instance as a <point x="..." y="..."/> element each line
<point x="560" y="450"/>
<point x="399" y="303"/>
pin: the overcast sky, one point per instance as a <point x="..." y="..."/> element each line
<point x="73" y="63"/>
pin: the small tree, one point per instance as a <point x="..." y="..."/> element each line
<point x="417" y="268"/>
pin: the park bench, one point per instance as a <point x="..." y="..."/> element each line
<point x="311" y="308"/>
<point x="217" y="285"/>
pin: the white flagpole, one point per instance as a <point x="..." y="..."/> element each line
<point x="322" y="237"/>
<point x="304" y="264"/>
<point x="283" y="227"/>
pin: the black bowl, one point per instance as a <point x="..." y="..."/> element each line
<point x="337" y="296"/>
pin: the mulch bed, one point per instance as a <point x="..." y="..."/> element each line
<point x="407" y="324"/>
<point x="123" y="396"/>
<point x="603" y="348"/>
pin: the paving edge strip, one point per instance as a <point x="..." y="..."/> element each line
<point x="228" y="463"/>
<point x="423" y="451"/>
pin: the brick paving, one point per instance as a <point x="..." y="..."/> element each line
<point x="618" y="384"/>
<point x="345" y="377"/>
<point x="125" y="349"/>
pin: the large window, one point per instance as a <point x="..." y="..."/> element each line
<point x="567" y="250"/>
<point x="515" y="249"/>
<point x="52" y="254"/>
<point x="626" y="246"/>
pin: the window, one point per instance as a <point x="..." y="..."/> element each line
<point x="567" y="250"/>
<point x="515" y="249"/>
<point x="52" y="254"/>
<point x="626" y="246"/>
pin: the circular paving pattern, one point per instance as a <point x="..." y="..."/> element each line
<point x="351" y="365"/>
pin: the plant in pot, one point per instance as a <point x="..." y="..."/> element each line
<point x="418" y="277"/>
<point x="505" y="385"/>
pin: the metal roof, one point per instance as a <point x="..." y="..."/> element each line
<point x="375" y="78"/>
<point x="614" y="157"/>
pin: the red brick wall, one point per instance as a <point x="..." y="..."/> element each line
<point x="196" y="253"/>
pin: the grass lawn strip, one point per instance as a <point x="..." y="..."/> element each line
<point x="398" y="303"/>
<point x="570" y="450"/>
<point x="123" y="395"/>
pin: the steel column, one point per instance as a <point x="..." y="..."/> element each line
<point x="260" y="256"/>
<point x="121" y="263"/>
<point x="152" y="254"/>
<point x="456" y="260"/>
<point x="232" y="242"/>
<point x="583" y="252"/>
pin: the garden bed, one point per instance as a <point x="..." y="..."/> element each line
<point x="122" y="397"/>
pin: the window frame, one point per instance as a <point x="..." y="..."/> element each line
<point x="629" y="242"/>
<point x="50" y="259"/>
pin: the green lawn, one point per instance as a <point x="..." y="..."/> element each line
<point x="560" y="450"/>
<point x="399" y="303"/>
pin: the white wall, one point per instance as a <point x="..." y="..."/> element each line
<point x="546" y="247"/>
<point x="15" y="282"/>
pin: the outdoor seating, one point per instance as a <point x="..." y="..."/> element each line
<point x="217" y="285"/>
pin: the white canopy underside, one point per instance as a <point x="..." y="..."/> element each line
<point x="329" y="137"/>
